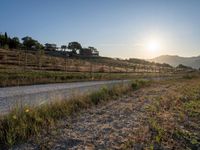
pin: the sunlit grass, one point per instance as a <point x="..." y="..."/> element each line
<point x="23" y="123"/>
<point x="172" y="121"/>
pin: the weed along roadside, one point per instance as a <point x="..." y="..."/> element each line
<point x="171" y="117"/>
<point x="36" y="95"/>
<point x="21" y="124"/>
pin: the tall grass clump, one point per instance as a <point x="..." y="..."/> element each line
<point x="20" y="124"/>
<point x="139" y="83"/>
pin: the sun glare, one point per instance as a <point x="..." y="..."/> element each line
<point x="153" y="46"/>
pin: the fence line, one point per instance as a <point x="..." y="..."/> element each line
<point x="38" y="60"/>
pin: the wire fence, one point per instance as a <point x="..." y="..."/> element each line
<point x="40" y="60"/>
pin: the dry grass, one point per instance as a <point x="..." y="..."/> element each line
<point x="27" y="122"/>
<point x="34" y="67"/>
<point x="20" y="77"/>
<point x="172" y="119"/>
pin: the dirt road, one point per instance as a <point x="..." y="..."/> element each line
<point x="40" y="94"/>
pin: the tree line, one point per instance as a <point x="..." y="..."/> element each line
<point x="28" y="43"/>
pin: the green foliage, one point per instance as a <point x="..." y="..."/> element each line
<point x="139" y="83"/>
<point x="157" y="129"/>
<point x="98" y="96"/>
<point x="30" y="43"/>
<point x="7" y="42"/>
<point x="193" y="108"/>
<point x="74" y="46"/>
<point x="190" y="138"/>
<point x="14" y="43"/>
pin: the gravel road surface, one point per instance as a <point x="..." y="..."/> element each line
<point x="40" y="94"/>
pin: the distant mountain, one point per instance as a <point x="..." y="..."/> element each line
<point x="175" y="60"/>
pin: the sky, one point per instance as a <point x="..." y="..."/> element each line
<point x="117" y="28"/>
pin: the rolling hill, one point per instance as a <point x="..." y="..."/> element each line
<point x="175" y="60"/>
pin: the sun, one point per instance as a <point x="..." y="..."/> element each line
<point x="153" y="45"/>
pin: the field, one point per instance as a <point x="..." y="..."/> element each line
<point x="150" y="115"/>
<point x="19" y="67"/>
<point x="16" y="78"/>
<point x="143" y="114"/>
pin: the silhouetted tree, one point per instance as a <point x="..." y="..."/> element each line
<point x="6" y="36"/>
<point x="183" y="66"/>
<point x="74" y="46"/>
<point x="50" y="47"/>
<point x="63" y="47"/>
<point x="95" y="52"/>
<point x="92" y="48"/>
<point x="30" y="43"/>
<point x="14" y="43"/>
<point x="4" y="40"/>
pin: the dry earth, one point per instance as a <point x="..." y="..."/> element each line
<point x="107" y="126"/>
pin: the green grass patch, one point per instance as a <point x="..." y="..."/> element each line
<point x="193" y="108"/>
<point x="139" y="83"/>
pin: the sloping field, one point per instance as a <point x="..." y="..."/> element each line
<point x="19" y="67"/>
<point x="37" y="60"/>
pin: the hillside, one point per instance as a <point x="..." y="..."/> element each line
<point x="19" y="67"/>
<point x="175" y="60"/>
<point x="37" y="60"/>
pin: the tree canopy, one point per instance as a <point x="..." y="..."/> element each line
<point x="74" y="46"/>
<point x="30" y="43"/>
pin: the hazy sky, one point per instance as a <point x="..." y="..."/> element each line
<point x="118" y="28"/>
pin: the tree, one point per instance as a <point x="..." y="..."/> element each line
<point x="14" y="43"/>
<point x="92" y="48"/>
<point x="183" y="66"/>
<point x="63" y="47"/>
<point x="50" y="47"/>
<point x="30" y="43"/>
<point x="6" y="36"/>
<point x="94" y="51"/>
<point x="74" y="46"/>
<point x="4" y="40"/>
<point x="38" y="46"/>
